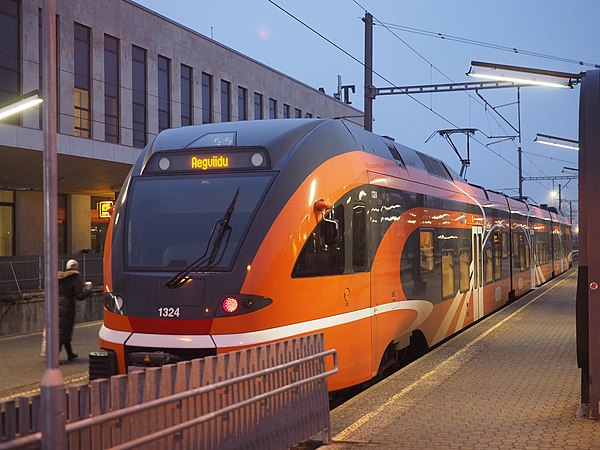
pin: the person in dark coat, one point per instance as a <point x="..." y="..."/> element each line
<point x="70" y="287"/>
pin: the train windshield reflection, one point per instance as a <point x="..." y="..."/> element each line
<point x="170" y="219"/>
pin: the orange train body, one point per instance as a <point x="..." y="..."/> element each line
<point x="310" y="226"/>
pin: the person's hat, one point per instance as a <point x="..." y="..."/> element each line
<point x="72" y="265"/>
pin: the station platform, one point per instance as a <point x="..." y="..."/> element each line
<point x="511" y="381"/>
<point x="22" y="366"/>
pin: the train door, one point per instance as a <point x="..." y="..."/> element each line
<point x="477" y="239"/>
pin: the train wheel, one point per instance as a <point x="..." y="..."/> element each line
<point x="418" y="345"/>
<point x="389" y="362"/>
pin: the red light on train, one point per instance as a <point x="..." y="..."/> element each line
<point x="230" y="305"/>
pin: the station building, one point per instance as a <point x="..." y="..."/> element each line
<point x="125" y="73"/>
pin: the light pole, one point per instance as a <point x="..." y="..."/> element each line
<point x="52" y="385"/>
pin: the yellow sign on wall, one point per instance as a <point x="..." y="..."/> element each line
<point x="104" y="209"/>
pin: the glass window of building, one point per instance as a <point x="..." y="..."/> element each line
<point x="272" y="108"/>
<point x="10" y="57"/>
<point x="99" y="226"/>
<point x="242" y="103"/>
<point x="206" y="98"/>
<point x="7" y="221"/>
<point x="164" y="93"/>
<point x="258" y="106"/>
<point x="297" y="113"/>
<point x="139" y="87"/>
<point x="82" y="61"/>
<point x="111" y="89"/>
<point x="225" y="101"/>
<point x="286" y="111"/>
<point x="186" y="95"/>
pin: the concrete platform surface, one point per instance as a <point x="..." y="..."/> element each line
<point x="22" y="367"/>
<point x="510" y="381"/>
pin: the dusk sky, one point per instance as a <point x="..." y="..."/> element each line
<point x="428" y="42"/>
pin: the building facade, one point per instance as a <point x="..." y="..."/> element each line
<point x="125" y="73"/>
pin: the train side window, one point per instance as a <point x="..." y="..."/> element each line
<point x="359" y="238"/>
<point x="488" y="264"/>
<point x="427" y="251"/>
<point x="447" y="273"/>
<point x="464" y="256"/>
<point x="497" y="256"/>
<point x="527" y="256"/>
<point x="505" y="242"/>
<point x="476" y="257"/>
<point x="323" y="251"/>
<point x="521" y="251"/>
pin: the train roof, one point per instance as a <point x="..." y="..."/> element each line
<point x="284" y="138"/>
<point x="280" y="136"/>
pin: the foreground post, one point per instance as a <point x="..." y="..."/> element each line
<point x="53" y="388"/>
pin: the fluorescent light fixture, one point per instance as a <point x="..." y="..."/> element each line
<point x="27" y="101"/>
<point x="556" y="141"/>
<point x="523" y="75"/>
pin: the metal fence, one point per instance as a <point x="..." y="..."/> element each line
<point x="26" y="273"/>
<point x="268" y="397"/>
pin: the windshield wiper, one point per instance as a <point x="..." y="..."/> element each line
<point x="205" y="261"/>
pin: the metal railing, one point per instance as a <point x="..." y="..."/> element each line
<point x="271" y="396"/>
<point x="25" y="273"/>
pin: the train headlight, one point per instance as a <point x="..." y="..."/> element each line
<point x="114" y="303"/>
<point x="230" y="305"/>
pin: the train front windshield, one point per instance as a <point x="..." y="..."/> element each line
<point x="170" y="219"/>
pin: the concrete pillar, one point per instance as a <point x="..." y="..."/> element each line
<point x="29" y="223"/>
<point x="79" y="223"/>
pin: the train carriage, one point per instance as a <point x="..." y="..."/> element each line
<point x="235" y="234"/>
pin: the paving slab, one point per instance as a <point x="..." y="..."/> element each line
<point x="510" y="381"/>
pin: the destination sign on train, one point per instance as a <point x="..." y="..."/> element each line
<point x="207" y="160"/>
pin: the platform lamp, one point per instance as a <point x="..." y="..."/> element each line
<point x="526" y="76"/>
<point x="26" y="101"/>
<point x="556" y="141"/>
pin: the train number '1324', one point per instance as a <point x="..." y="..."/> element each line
<point x="168" y="312"/>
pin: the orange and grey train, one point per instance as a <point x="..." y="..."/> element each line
<point x="235" y="234"/>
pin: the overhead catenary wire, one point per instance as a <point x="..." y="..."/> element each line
<point x="451" y="80"/>
<point x="445" y="119"/>
<point x="490" y="45"/>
